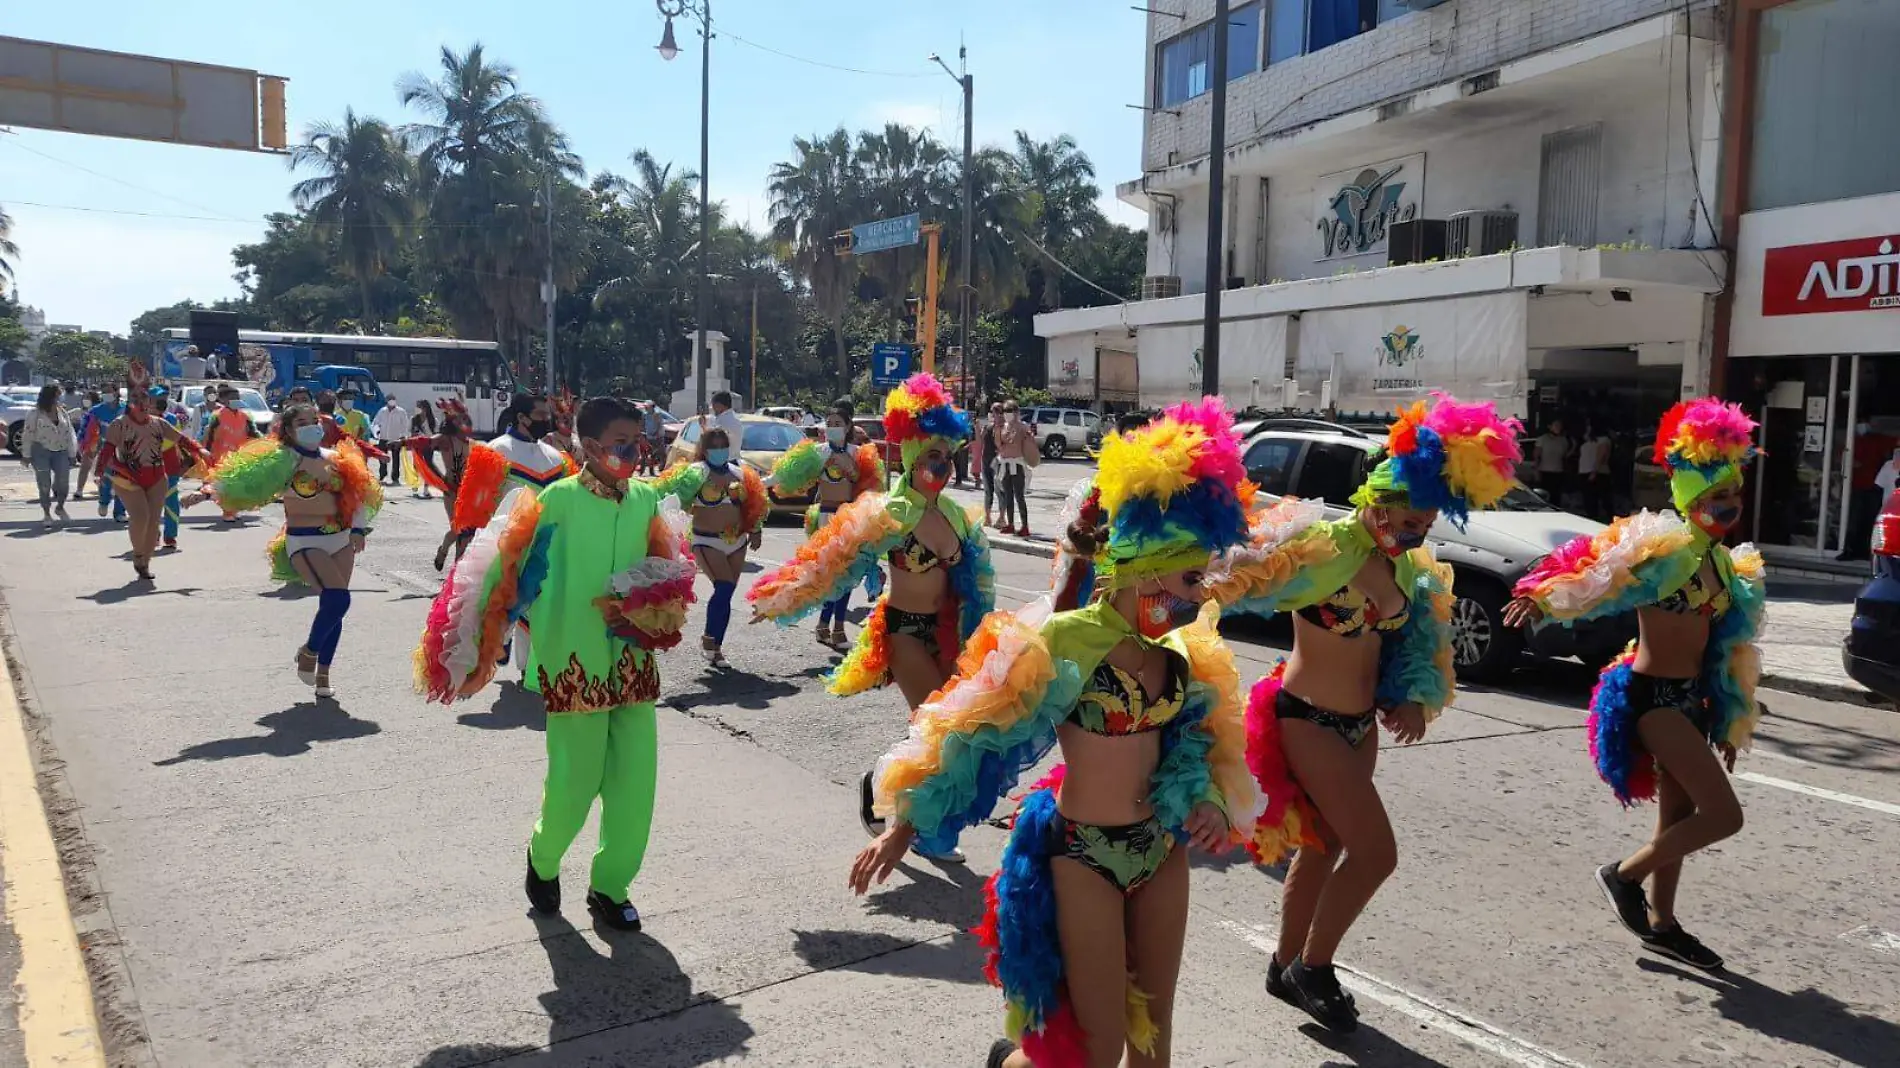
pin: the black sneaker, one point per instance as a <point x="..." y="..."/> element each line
<point x="620" y="915"/>
<point x="1675" y="942"/>
<point x="1627" y="898"/>
<point x="999" y="1052"/>
<point x="1316" y="991"/>
<point x="1276" y="981"/>
<point x="867" y="815"/>
<point x="543" y="894"/>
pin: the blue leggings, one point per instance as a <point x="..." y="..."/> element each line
<point x="833" y="611"/>
<point x="107" y="497"/>
<point x="719" y="611"/>
<point x="170" y="521"/>
<point x="327" y="628"/>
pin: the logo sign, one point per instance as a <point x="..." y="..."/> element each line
<point x="1072" y="370"/>
<point x="886" y="234"/>
<point x="1400" y="347"/>
<point x="1356" y="209"/>
<point x="890" y="363"/>
<point x="1862" y="274"/>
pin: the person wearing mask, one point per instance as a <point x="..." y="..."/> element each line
<point x="134" y="455"/>
<point x="1684" y="690"/>
<point x="47" y="444"/>
<point x="1863" y="494"/>
<point x="1552" y="450"/>
<point x="450" y="448"/>
<point x="728" y="504"/>
<point x="349" y="418"/>
<point x="652" y="438"/>
<point x="1015" y="454"/>
<point x="608" y="591"/>
<point x="942" y="583"/>
<point x="727" y="420"/>
<point x="985" y="454"/>
<point x="391" y="426"/>
<point x="421" y="425"/>
<point x="176" y="462"/>
<point x="89" y="433"/>
<point x="227" y="429"/>
<point x="98" y="419"/>
<point x="835" y="473"/>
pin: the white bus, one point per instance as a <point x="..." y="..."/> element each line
<point x="411" y="369"/>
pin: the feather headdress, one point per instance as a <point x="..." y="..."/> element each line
<point x="919" y="411"/>
<point x="1176" y="488"/>
<point x="1703" y="443"/>
<point x="1448" y="456"/>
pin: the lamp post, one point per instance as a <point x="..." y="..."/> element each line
<point x="965" y="298"/>
<point x="668" y="49"/>
<point x="1216" y="194"/>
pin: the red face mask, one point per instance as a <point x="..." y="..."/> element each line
<point x="1162" y="612"/>
<point x="619" y="468"/>
<point x="1716" y="520"/>
<point x="932" y="475"/>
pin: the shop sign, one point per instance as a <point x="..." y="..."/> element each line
<point x="1356" y="209"/>
<point x="1862" y="274"/>
<point x="1072" y="370"/>
<point x="1401" y="351"/>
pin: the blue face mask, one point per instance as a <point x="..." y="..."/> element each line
<point x="309" y="437"/>
<point x="835" y="435"/>
<point x="718" y="457"/>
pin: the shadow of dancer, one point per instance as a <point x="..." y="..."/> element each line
<point x="292" y="733"/>
<point x="1367" y="1047"/>
<point x="516" y="708"/>
<point x="1806" y="1017"/>
<point x="954" y="956"/>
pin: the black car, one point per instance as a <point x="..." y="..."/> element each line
<point x="1872" y="651"/>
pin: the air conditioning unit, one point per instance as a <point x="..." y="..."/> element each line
<point x="1160" y="286"/>
<point x="1416" y="241"/>
<point x="1480" y="233"/>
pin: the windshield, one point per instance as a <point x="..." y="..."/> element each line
<point x="770" y="437"/>
<point x="251" y="401"/>
<point x="1520" y="499"/>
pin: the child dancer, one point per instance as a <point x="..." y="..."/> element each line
<point x="835" y="473"/>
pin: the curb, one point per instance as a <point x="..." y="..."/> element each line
<point x="1847" y="692"/>
<point x="1023" y="547"/>
<point x="57" y="1021"/>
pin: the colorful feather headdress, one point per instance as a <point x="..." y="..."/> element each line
<point x="1703" y="443"/>
<point x="1173" y="492"/>
<point x="919" y="411"/>
<point x="1446" y="456"/>
<point x="453" y="407"/>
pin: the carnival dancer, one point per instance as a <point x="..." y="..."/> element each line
<point x="227" y="430"/>
<point x="175" y="461"/>
<point x="92" y="437"/>
<point x="835" y="473"/>
<point x="1686" y="687"/>
<point x="1371" y="645"/>
<point x="1088" y="911"/>
<point x="450" y="443"/>
<point x="728" y="504"/>
<point x="942" y="583"/>
<point x="330" y="500"/>
<point x="421" y="425"/>
<point x="594" y="566"/>
<point x="134" y="459"/>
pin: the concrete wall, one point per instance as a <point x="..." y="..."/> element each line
<point x="1424" y="48"/>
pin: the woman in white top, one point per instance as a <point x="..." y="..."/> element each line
<point x="47" y="442"/>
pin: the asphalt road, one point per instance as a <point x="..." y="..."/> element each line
<point x="287" y="882"/>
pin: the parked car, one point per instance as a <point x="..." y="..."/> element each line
<point x="765" y="440"/>
<point x="1063" y="430"/>
<point x="873" y="428"/>
<point x="1871" y="653"/>
<point x="17" y="403"/>
<point x="1315" y="459"/>
<point x="249" y="399"/>
<point x="791" y="413"/>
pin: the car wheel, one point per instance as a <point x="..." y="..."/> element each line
<point x="1055" y="447"/>
<point x="1482" y="647"/>
<point x="13" y="437"/>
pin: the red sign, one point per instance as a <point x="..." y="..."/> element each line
<point x="1862" y="274"/>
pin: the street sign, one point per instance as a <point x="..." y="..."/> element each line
<point x="890" y="363"/>
<point x="885" y="234"/>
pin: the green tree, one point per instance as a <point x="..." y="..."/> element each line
<point x="12" y="335"/>
<point x="359" y="199"/>
<point x="72" y="357"/>
<point x="8" y="250"/>
<point x="1059" y="194"/>
<point x="814" y="195"/>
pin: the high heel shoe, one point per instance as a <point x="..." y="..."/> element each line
<point x="323" y="684"/>
<point x="306" y="662"/>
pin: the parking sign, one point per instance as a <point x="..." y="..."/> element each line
<point x="890" y="363"/>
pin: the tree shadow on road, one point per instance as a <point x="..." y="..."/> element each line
<point x="740" y="689"/>
<point x="597" y="997"/>
<point x="956" y="959"/>
<point x="292" y="732"/>
<point x="516" y="708"/>
<point x="136" y="588"/>
<point x="1805" y="1017"/>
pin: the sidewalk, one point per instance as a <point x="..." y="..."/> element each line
<point x="1801" y="640"/>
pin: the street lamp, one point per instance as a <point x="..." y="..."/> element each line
<point x="668" y="49"/>
<point x="965" y="300"/>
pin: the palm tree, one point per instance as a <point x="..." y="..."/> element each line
<point x="359" y="200"/>
<point x="661" y="242"/>
<point x="1060" y="193"/>
<point x="902" y="171"/>
<point x="8" y="250"/>
<point x="815" y="195"/>
<point x="996" y="269"/>
<point x="476" y="113"/>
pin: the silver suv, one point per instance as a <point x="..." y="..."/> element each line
<point x="1063" y="430"/>
<point x="1317" y="460"/>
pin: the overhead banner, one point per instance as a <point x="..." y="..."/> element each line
<point x="1252" y="362"/>
<point x="1376" y="358"/>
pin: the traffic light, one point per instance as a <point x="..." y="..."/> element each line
<point x="841" y="242"/>
<point x="271" y="135"/>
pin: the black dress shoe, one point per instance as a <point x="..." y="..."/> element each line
<point x="999" y="1052"/>
<point x="543" y="894"/>
<point x="620" y="915"/>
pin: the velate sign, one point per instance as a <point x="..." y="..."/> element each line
<point x="1860" y="274"/>
<point x="1355" y="210"/>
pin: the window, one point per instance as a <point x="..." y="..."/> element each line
<point x="1071" y="418"/>
<point x="1184" y="65"/>
<point x="1270" y="462"/>
<point x="770" y="437"/>
<point x="1047" y="416"/>
<point x="1300" y="26"/>
<point x="1331" y="473"/>
<point x="1825" y="127"/>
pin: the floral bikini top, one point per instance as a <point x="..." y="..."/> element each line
<point x="1695" y="597"/>
<point x="1113" y="703"/>
<point x="915" y="557"/>
<point x="1348" y="612"/>
<point x="709" y="495"/>
<point x="307" y="484"/>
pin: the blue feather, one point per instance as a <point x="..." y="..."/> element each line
<point x="1029" y="959"/>
<point x="1182" y="778"/>
<point x="1206" y="511"/>
<point x="534" y="572"/>
<point x="944" y="421"/>
<point x="1408" y="666"/>
<point x="1612" y="729"/>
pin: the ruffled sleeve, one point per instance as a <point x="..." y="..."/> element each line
<point x="1292" y="558"/>
<point x="841" y="554"/>
<point x="871" y="473"/>
<point x="362" y="496"/>
<point x="253" y="476"/>
<point x="797" y="471"/>
<point x="973" y="580"/>
<point x="1633" y="562"/>
<point x="1204" y="749"/>
<point x="1415" y="665"/>
<point x="489" y="590"/>
<point x="756" y="506"/>
<point x="1732" y="662"/>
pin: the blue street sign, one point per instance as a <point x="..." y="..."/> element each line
<point x="885" y="234"/>
<point x="890" y="363"/>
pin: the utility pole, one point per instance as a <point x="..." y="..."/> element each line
<point x="1216" y="196"/>
<point x="547" y="284"/>
<point x="702" y="348"/>
<point x="752" y="383"/>
<point x="966" y="298"/>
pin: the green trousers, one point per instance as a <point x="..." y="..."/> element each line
<point x="613" y="755"/>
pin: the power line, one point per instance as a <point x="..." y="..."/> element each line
<point x="729" y="35"/>
<point x="24" y="147"/>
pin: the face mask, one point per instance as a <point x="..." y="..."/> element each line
<point x="616" y="460"/>
<point x="1162" y="612"/>
<point x="1716" y="522"/>
<point x="834" y="435"/>
<point x="931" y="477"/>
<point x="540" y="428"/>
<point x="347" y="405"/>
<point x="309" y="437"/>
<point x="1396" y="543"/>
<point x="718" y="457"/>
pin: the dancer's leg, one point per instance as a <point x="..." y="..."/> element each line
<point x="627" y="786"/>
<point x="1684" y="755"/>
<point x="1339" y="781"/>
<point x="1092" y="932"/>
<point x="1157" y="932"/>
<point x="577" y="758"/>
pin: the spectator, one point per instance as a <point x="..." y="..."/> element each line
<point x="421" y="425"/>
<point x="1015" y="454"/>
<point x="724" y="418"/>
<point x="1863" y="500"/>
<point x="391" y="427"/>
<point x="191" y="366"/>
<point x="985" y="451"/>
<point x="47" y="444"/>
<point x="1593" y="472"/>
<point x="1552" y="451"/>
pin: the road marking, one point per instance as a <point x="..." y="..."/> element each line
<point x="1467" y="1029"/>
<point x="1873" y="938"/>
<point x="1815" y="791"/>
<point x="55" y="997"/>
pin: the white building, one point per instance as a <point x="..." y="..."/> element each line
<point x="1501" y="198"/>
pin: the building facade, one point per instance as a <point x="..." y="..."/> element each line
<point x="1508" y="199"/>
<point x="1811" y="196"/>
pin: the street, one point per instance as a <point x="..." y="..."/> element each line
<point x="265" y="879"/>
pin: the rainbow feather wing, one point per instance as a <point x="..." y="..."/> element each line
<point x="1733" y="663"/>
<point x="797" y="471"/>
<point x="1415" y="665"/>
<point x="840" y="555"/>
<point x="1635" y="561"/>
<point x="253" y="476"/>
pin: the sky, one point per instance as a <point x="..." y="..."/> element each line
<point x="110" y="228"/>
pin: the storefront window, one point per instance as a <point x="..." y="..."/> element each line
<point x="1825" y="127"/>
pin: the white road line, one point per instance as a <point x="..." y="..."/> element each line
<point x="1815" y="791"/>
<point x="1467" y="1029"/>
